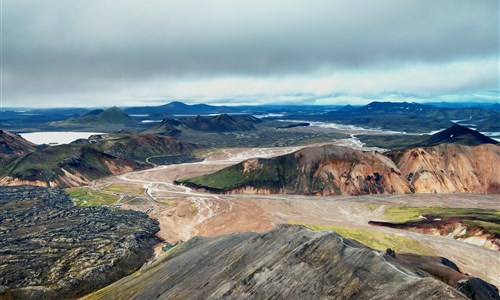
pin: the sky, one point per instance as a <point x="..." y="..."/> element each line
<point x="60" y="53"/>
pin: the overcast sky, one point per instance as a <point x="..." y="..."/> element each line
<point x="137" y="52"/>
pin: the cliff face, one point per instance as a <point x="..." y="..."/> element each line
<point x="332" y="170"/>
<point x="288" y="262"/>
<point x="50" y="249"/>
<point x="450" y="168"/>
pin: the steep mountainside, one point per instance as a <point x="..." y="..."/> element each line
<point x="331" y="170"/>
<point x="325" y="170"/>
<point x="451" y="168"/>
<point x="458" y="134"/>
<point x="50" y="249"/>
<point x="289" y="262"/>
<point x="64" y="166"/>
<point x="13" y="144"/>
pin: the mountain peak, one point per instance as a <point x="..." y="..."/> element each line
<point x="458" y="134"/>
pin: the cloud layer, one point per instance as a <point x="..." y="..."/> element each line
<point x="87" y="53"/>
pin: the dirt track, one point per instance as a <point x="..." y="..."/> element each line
<point x="184" y="213"/>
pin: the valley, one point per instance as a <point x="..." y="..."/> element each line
<point x="184" y="212"/>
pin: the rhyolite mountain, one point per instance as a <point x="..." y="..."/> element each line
<point x="332" y="170"/>
<point x="324" y="170"/>
<point x="292" y="262"/>
<point x="458" y="134"/>
<point x="64" y="166"/>
<point x="450" y="168"/>
<point x="51" y="249"/>
<point x="13" y="144"/>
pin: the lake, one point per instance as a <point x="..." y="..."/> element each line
<point x="55" y="137"/>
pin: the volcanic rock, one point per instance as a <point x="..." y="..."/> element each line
<point x="50" y="249"/>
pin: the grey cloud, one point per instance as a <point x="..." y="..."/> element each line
<point x="51" y="46"/>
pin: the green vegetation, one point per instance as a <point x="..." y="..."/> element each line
<point x="234" y="177"/>
<point x="376" y="239"/>
<point x="84" y="196"/>
<point x="403" y="214"/>
<point x="371" y="206"/>
<point x="488" y="219"/>
<point x="122" y="189"/>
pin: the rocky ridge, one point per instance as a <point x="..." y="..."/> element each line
<point x="292" y="262"/>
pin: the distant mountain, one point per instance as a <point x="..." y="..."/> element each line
<point x="166" y="127"/>
<point x="179" y="108"/>
<point x="113" y="115"/>
<point x="333" y="170"/>
<point x="404" y="116"/>
<point x="458" y="134"/>
<point x="293" y="262"/>
<point x="64" y="166"/>
<point x="222" y="123"/>
<point x="218" y="123"/>
<point x="495" y="107"/>
<point x="13" y="144"/>
<point x="98" y="118"/>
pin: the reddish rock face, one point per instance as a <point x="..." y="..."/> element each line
<point x="450" y="168"/>
<point x="332" y="170"/>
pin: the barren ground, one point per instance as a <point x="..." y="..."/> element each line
<point x="184" y="213"/>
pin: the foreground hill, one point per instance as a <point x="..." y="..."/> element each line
<point x="50" y="249"/>
<point x="13" y="144"/>
<point x="64" y="166"/>
<point x="333" y="170"/>
<point x="291" y="262"/>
